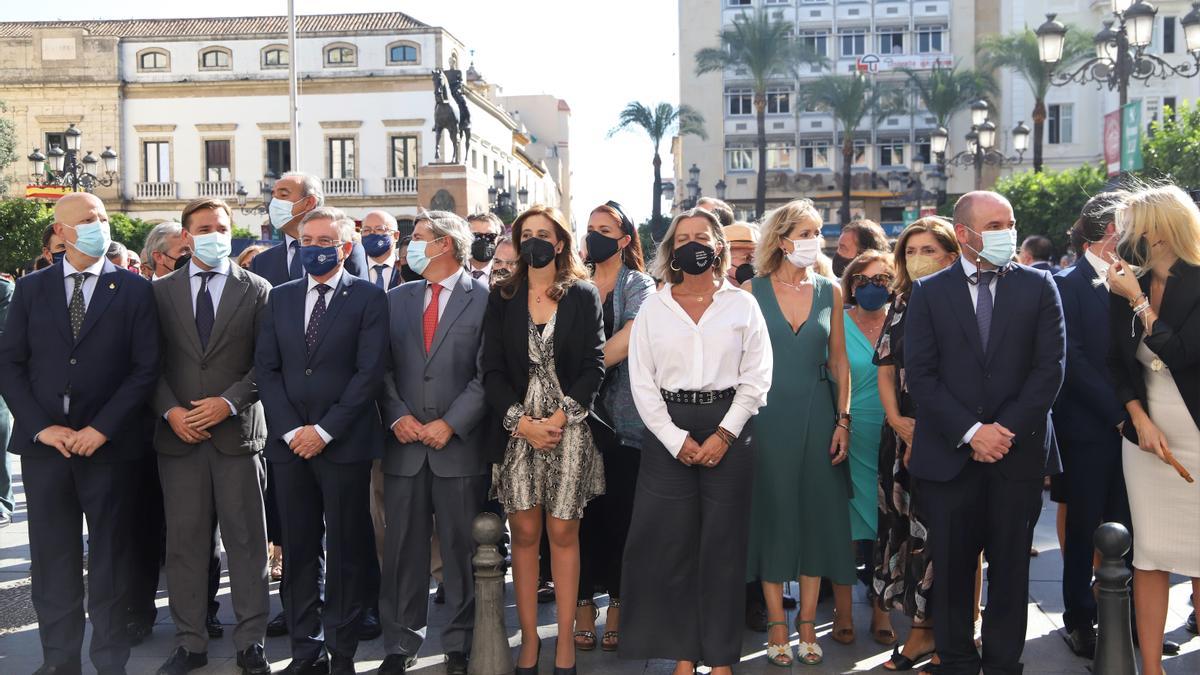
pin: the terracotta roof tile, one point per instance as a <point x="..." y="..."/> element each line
<point x="222" y="26"/>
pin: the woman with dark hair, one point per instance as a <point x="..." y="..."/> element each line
<point x="903" y="566"/>
<point x="543" y="362"/>
<point x="615" y="255"/>
<point x="700" y="367"/>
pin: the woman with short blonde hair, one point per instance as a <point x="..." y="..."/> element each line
<point x="769" y="255"/>
<point x="665" y="266"/>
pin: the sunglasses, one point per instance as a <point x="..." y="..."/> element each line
<point x="860" y="280"/>
<point x="490" y="236"/>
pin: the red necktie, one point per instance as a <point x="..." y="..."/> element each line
<point x="429" y="322"/>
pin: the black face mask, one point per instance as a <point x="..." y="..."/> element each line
<point x="839" y="265"/>
<point x="600" y="247"/>
<point x="182" y="261"/>
<point x="744" y="273"/>
<point x="483" y="249"/>
<point x="407" y="273"/>
<point x="537" y="253"/>
<point x="694" y="257"/>
<point x="1134" y="252"/>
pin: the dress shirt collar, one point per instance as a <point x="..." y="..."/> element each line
<point x="222" y="268"/>
<point x="332" y="283"/>
<point x="95" y="269"/>
<point x="288" y="239"/>
<point x="449" y="282"/>
<point x="1099" y="264"/>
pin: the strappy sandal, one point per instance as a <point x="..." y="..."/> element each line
<point x="612" y="638"/>
<point x="883" y="636"/>
<point x="810" y="652"/>
<point x="585" y="640"/>
<point x="843" y="636"/>
<point x="900" y="662"/>
<point x="779" y="654"/>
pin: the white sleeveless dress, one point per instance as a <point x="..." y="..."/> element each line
<point x="1165" y="508"/>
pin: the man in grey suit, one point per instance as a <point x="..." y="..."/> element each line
<point x="209" y="436"/>
<point x="433" y="463"/>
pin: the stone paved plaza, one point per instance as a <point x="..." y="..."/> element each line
<point x="1045" y="652"/>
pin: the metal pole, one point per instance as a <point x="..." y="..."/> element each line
<point x="1114" y="645"/>
<point x="1124" y="64"/>
<point x="293" y="125"/>
<point x="978" y="166"/>
<point x="490" y="653"/>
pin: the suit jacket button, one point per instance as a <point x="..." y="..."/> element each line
<point x="73" y="362"/>
<point x="979" y="411"/>
<point x="203" y="366"/>
<point x="428" y="378"/>
<point x="308" y="371"/>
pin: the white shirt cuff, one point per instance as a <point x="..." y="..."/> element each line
<point x="674" y="439"/>
<point x="966" y="439"/>
<point x="321" y="432"/>
<point x="735" y="419"/>
<point x="232" y="410"/>
<point x="287" y="438"/>
<point x="393" y="426"/>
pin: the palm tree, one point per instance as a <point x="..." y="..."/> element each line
<point x="851" y="99"/>
<point x="659" y="122"/>
<point x="945" y="91"/>
<point x="1019" y="51"/>
<point x="764" y="48"/>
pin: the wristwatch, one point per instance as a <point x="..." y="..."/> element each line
<point x="842" y="416"/>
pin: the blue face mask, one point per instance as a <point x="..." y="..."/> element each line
<point x="871" y="297"/>
<point x="213" y="247"/>
<point x="417" y="260"/>
<point x="999" y="246"/>
<point x="280" y="212"/>
<point x="92" y="238"/>
<point x="319" y="260"/>
<point x="377" y="244"/>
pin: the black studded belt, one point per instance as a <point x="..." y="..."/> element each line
<point x="697" y="397"/>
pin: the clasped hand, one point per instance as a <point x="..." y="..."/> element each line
<point x="543" y="433"/>
<point x="708" y="454"/>
<point x="436" y="434"/>
<point x="191" y="426"/>
<point x="307" y="443"/>
<point x="991" y="443"/>
<point x="67" y="441"/>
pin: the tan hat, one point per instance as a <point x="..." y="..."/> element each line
<point x="741" y="233"/>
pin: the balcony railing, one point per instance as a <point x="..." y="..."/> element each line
<point x="342" y="187"/>
<point x="216" y="188"/>
<point x="166" y="190"/>
<point x="400" y="185"/>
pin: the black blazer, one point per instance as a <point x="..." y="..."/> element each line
<point x="578" y="352"/>
<point x="1175" y="339"/>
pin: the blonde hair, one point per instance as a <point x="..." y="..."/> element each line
<point x="1160" y="213"/>
<point x="666" y="248"/>
<point x="769" y="254"/>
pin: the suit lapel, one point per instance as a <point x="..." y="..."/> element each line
<point x="341" y="296"/>
<point x="459" y="300"/>
<point x="1002" y="299"/>
<point x="1176" y="300"/>
<point x="55" y="285"/>
<point x="396" y="280"/>
<point x="960" y="301"/>
<point x="181" y="304"/>
<point x="106" y="288"/>
<point x="563" y="321"/>
<point x="231" y="296"/>
<point x="415" y="297"/>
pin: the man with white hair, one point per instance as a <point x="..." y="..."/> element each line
<point x="77" y="379"/>
<point x="433" y="403"/>
<point x="380" y="234"/>
<point x="320" y="362"/>
<point x="166" y="249"/>
<point x="294" y="195"/>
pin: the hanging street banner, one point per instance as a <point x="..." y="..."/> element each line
<point x="1112" y="142"/>
<point x="1131" y="137"/>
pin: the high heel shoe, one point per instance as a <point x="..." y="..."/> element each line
<point x="531" y="670"/>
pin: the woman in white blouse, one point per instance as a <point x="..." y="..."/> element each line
<point x="700" y="368"/>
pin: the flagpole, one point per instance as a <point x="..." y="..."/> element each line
<point x="293" y="126"/>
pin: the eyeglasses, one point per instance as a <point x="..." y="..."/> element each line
<point x="367" y="231"/>
<point x="490" y="236"/>
<point x="323" y="242"/>
<point x="860" y="280"/>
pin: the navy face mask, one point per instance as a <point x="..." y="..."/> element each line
<point x="871" y="297"/>
<point x="319" y="260"/>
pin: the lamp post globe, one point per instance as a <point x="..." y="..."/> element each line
<point x="74" y="137"/>
<point x="1020" y="136"/>
<point x="56" y="158"/>
<point x="1051" y="36"/>
<point x="37" y="162"/>
<point x="1139" y="22"/>
<point x="979" y="112"/>
<point x="109" y="157"/>
<point x="938" y="140"/>
<point x="1191" y="29"/>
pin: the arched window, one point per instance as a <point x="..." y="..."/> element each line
<point x="153" y="59"/>
<point x="275" y="56"/>
<point x="402" y="53"/>
<point x="340" y="55"/>
<point x="216" y="58"/>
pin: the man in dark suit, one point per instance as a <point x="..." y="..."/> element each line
<point x="209" y="433"/>
<point x="380" y="234"/>
<point x="433" y="401"/>
<point x="1037" y="251"/>
<point x="7" y="503"/>
<point x="320" y="362"/>
<point x="78" y="361"/>
<point x="985" y="349"/>
<point x="296" y="194"/>
<point x="1087" y="418"/>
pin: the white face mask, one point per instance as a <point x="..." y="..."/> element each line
<point x="804" y="252"/>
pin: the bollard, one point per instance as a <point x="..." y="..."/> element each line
<point x="490" y="653"/>
<point x="1114" y="642"/>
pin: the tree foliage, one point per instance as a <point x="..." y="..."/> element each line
<point x="1049" y="202"/>
<point x="8" y="147"/>
<point x="945" y="91"/>
<point x="21" y="225"/>
<point x="1171" y="151"/>
<point x="659" y="122"/>
<point x="131" y="232"/>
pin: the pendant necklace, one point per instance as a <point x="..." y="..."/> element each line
<point x="794" y="287"/>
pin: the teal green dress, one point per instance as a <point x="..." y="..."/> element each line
<point x="800" y="525"/>
<point x="866" y="413"/>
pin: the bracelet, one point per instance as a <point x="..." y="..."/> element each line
<point x="726" y="435"/>
<point x="839" y="425"/>
<point x="1140" y="296"/>
<point x="1143" y="306"/>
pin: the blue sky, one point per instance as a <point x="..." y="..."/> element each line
<point x="597" y="56"/>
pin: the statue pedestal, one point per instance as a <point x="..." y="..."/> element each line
<point x="451" y="187"/>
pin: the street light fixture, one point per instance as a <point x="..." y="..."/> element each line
<point x="720" y="188"/>
<point x="981" y="145"/>
<point x="667" y="187"/>
<point x="505" y="202"/>
<point x="267" y="188"/>
<point x="67" y="169"/>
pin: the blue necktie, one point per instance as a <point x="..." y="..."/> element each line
<point x="314" y="319"/>
<point x="379" y="275"/>
<point x="295" y="270"/>
<point x="205" y="314"/>
<point x="983" y="307"/>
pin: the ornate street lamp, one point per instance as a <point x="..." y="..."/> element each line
<point x="981" y="142"/>
<point x="503" y="202"/>
<point x="67" y="169"/>
<point x="667" y="187"/>
<point x="267" y="188"/>
<point x="720" y="188"/>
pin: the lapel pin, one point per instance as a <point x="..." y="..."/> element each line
<point x="112" y="287"/>
<point x="343" y="292"/>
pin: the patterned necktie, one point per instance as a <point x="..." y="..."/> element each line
<point x="77" y="308"/>
<point x="205" y="313"/>
<point x="429" y="321"/>
<point x="477" y="274"/>
<point x="379" y="275"/>
<point x="295" y="270"/>
<point x="983" y="307"/>
<point x="314" y="320"/>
